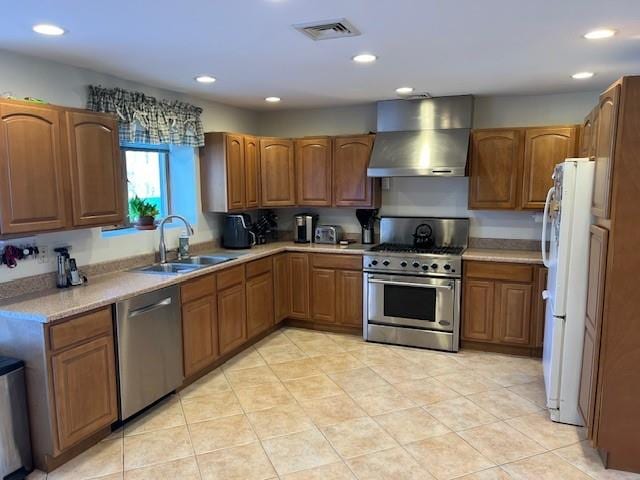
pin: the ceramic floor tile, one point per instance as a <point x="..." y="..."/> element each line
<point x="247" y="462"/>
<point x="402" y="371"/>
<point x="501" y="443"/>
<point x="506" y="375"/>
<point x="427" y="391"/>
<point x="102" y="459"/>
<point x="280" y="420"/>
<point x="113" y="476"/>
<point x="383" y="399"/>
<point x="213" y="382"/>
<point x="281" y="353"/>
<point x="551" y="435"/>
<point x="585" y="458"/>
<point x="547" y="466"/>
<point x="323" y="346"/>
<point x="264" y="396"/>
<point x="467" y="383"/>
<point x="166" y="414"/>
<point x="299" y="451"/>
<point x="250" y="377"/>
<point x="308" y="388"/>
<point x="503" y="403"/>
<point x="334" y="471"/>
<point x="495" y="473"/>
<point x="248" y="358"/>
<point x="394" y="463"/>
<point x="358" y="436"/>
<point x="221" y="433"/>
<point x="448" y="456"/>
<point x="410" y="425"/>
<point x="346" y="340"/>
<point x="299" y="334"/>
<point x="184" y="469"/>
<point x="156" y="447"/>
<point x="337" y="362"/>
<point x="460" y="413"/>
<point x="372" y="354"/>
<point x="534" y="392"/>
<point x="275" y="339"/>
<point x="417" y="355"/>
<point x="354" y="381"/>
<point x="304" y="367"/>
<point x="215" y="405"/>
<point x="331" y="410"/>
<point x="441" y="366"/>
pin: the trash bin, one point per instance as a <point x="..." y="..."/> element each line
<point x="15" y="444"/>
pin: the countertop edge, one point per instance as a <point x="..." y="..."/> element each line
<point x="532" y="257"/>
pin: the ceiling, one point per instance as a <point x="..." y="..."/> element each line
<point x="486" y="47"/>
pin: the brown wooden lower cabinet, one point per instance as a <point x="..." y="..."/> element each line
<point x="232" y="317"/>
<point x="299" y="270"/>
<point x="260" y="303"/>
<point x="349" y="298"/>
<point x="323" y="295"/>
<point x="282" y="286"/>
<point x="199" y="334"/>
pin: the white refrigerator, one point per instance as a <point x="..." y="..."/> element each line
<point x="567" y="216"/>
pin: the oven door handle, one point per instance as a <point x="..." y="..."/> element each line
<point x="410" y="284"/>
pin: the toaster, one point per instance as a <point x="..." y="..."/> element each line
<point x="328" y="234"/>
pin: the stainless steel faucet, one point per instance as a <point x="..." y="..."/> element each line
<point x="163" y="247"/>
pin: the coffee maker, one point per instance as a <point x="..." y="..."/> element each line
<point x="304" y="224"/>
<point x="367" y="219"/>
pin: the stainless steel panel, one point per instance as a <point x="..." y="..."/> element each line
<point x="15" y="445"/>
<point x="425" y="114"/>
<point x="149" y="331"/>
<point x="446" y="231"/>
<point x="413" y="337"/>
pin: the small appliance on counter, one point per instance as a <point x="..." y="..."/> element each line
<point x="367" y="219"/>
<point x="236" y="233"/>
<point x="329" y="234"/>
<point x="304" y="225"/>
<point x="266" y="228"/>
<point x="67" y="274"/>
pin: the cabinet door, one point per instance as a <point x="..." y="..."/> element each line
<point x="605" y="146"/>
<point x="349" y="298"/>
<point x="543" y="149"/>
<point x="593" y="324"/>
<point x="513" y="313"/>
<point x="97" y="184"/>
<point x="323" y="295"/>
<point x="313" y="171"/>
<point x="494" y="169"/>
<point x="282" y="286"/>
<point x="252" y="171"/>
<point x="260" y="314"/>
<point x="235" y="161"/>
<point x="478" y="309"/>
<point x="84" y="384"/>
<point x="277" y="172"/>
<point x="33" y="171"/>
<point x="351" y="186"/>
<point x="586" y="136"/>
<point x="232" y="318"/>
<point x="299" y="265"/>
<point x="199" y="334"/>
<point x="539" y="308"/>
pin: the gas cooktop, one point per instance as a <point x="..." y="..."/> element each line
<point x="406" y="248"/>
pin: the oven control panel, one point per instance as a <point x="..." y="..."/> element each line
<point x="438" y="265"/>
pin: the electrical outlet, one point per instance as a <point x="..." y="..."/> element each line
<point x="43" y="257"/>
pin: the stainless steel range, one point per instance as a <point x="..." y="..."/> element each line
<point x="412" y="282"/>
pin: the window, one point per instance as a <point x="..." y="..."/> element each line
<point x="148" y="177"/>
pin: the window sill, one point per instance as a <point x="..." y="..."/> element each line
<point x="118" y="232"/>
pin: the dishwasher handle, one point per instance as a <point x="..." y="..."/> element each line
<point x="150" y="308"/>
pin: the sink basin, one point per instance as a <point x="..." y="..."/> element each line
<point x="169" y="268"/>
<point x="207" y="260"/>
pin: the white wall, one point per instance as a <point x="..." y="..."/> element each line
<point x="65" y="85"/>
<point x="435" y="196"/>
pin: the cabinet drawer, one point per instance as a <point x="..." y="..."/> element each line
<point x="258" y="267"/>
<point x="231" y="276"/>
<point x="81" y="329"/>
<point x="198" y="288"/>
<point x="499" y="271"/>
<point x="340" y="262"/>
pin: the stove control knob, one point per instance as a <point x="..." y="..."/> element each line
<point x="447" y="267"/>
<point x="434" y="266"/>
<point x="386" y="263"/>
<point x="374" y="262"/>
<point x="415" y="264"/>
<point x="403" y="264"/>
<point x="425" y="267"/>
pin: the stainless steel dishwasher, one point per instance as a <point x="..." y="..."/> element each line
<point x="149" y="331"/>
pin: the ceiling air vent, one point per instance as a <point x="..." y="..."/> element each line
<point x="328" y="29"/>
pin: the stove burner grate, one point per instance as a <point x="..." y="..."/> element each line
<point x="405" y="248"/>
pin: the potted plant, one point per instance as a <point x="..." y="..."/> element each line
<point x="143" y="213"/>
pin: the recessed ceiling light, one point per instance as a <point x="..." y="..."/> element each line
<point x="205" y="79"/>
<point x="365" y="58"/>
<point x="582" y="75"/>
<point x="48" y="29"/>
<point x="404" y="90"/>
<point x="272" y="99"/>
<point x="599" y="34"/>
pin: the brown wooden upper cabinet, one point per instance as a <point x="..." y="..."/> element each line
<point x="588" y="135"/>
<point x="49" y="182"/>
<point x="351" y="186"/>
<point x="511" y="168"/>
<point x="313" y="171"/>
<point x="230" y="172"/>
<point x="277" y="172"/>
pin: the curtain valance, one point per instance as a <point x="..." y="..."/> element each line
<point x="144" y="119"/>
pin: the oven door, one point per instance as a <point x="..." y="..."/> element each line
<point x="408" y="301"/>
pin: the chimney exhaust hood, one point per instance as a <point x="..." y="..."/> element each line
<point x="426" y="137"/>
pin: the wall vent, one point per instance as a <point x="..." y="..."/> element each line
<point x="328" y="29"/>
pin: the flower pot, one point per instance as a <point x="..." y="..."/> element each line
<point x="145" y="223"/>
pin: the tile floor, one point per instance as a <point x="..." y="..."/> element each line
<point x="310" y="405"/>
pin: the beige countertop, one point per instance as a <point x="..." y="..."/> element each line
<point x="496" y="255"/>
<point x="51" y="305"/>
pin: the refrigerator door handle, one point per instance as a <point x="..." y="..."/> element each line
<point x="545" y="220"/>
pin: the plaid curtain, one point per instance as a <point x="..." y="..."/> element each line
<point x="144" y="119"/>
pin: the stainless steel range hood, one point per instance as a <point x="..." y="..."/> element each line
<point x="426" y="137"/>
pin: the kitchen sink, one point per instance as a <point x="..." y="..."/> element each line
<point x="169" y="268"/>
<point x="207" y="260"/>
